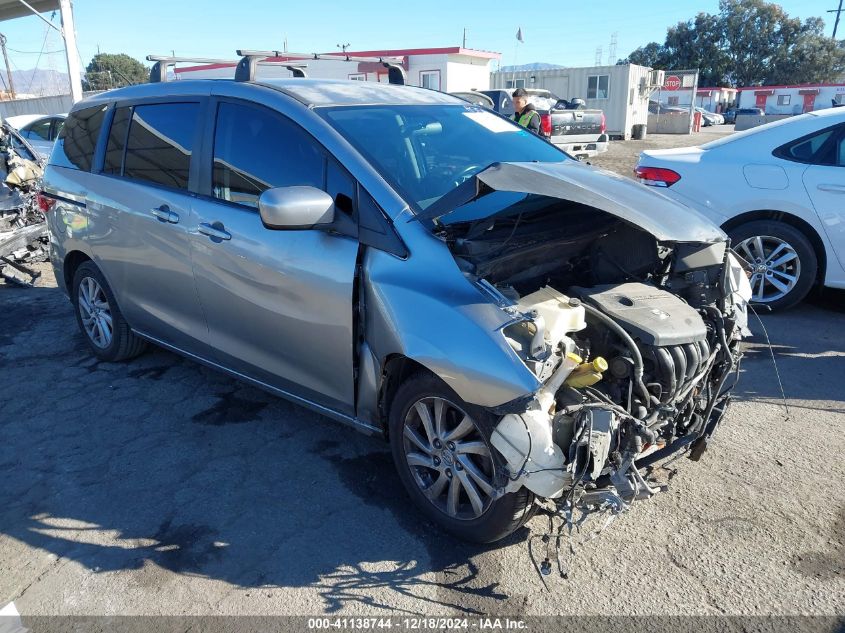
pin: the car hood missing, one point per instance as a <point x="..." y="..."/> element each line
<point x="630" y="201"/>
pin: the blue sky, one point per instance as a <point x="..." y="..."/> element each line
<point x="565" y="33"/>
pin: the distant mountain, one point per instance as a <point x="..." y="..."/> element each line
<point x="37" y="82"/>
<point x="534" y="66"/>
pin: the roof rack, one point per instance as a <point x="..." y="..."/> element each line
<point x="251" y="59"/>
<point x="158" y="73"/>
<point x="245" y="68"/>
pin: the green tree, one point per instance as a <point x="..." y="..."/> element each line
<point x="652" y="55"/>
<point x="108" y="71"/>
<point x="749" y="42"/>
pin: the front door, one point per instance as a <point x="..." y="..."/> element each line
<point x="809" y="102"/>
<point x="278" y="303"/>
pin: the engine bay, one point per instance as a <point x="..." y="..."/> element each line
<point x="633" y="340"/>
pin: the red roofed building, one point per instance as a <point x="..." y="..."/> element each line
<point x="449" y="69"/>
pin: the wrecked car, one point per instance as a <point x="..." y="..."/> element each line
<point x="23" y="231"/>
<point x="523" y="328"/>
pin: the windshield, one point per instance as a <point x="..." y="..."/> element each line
<point x="425" y="151"/>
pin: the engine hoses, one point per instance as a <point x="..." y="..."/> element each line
<point x="635" y="351"/>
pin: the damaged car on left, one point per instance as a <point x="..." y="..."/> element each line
<point x="524" y="329"/>
<point x="23" y="231"/>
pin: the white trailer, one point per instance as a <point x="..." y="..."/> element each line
<point x="621" y="91"/>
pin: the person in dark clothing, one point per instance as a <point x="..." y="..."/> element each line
<point x="524" y="112"/>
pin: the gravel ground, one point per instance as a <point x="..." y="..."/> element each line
<point x="161" y="487"/>
<point x="621" y="157"/>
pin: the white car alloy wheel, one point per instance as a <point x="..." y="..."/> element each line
<point x="775" y="266"/>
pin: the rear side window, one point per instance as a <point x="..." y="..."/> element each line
<point x="256" y="149"/>
<point x="38" y="131"/>
<point x="113" y="162"/>
<point x="818" y="148"/>
<point x="160" y="143"/>
<point x="78" y="139"/>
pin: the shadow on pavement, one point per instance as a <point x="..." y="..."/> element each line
<point x="160" y="465"/>
<point x="809" y="349"/>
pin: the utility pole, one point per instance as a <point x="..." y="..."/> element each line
<point x="464" y="45"/>
<point x="838" y="12"/>
<point x="343" y="47"/>
<point x="6" y="59"/>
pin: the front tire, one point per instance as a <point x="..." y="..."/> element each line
<point x="783" y="262"/>
<point x="441" y="449"/>
<point x="100" y="320"/>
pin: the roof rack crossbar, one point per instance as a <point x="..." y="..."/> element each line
<point x="158" y="73"/>
<point x="250" y="60"/>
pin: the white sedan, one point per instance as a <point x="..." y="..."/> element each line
<point x="778" y="190"/>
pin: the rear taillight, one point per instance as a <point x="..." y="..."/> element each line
<point x="657" y="176"/>
<point x="546" y="124"/>
<point x="603" y="123"/>
<point x="44" y="203"/>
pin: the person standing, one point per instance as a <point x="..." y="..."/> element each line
<point x="524" y="112"/>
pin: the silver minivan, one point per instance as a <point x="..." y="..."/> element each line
<point x="526" y="330"/>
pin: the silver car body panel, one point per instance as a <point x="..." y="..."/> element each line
<point x="424" y="308"/>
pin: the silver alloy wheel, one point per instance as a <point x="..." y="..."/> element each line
<point x="775" y="266"/>
<point x="95" y="312"/>
<point x="448" y="458"/>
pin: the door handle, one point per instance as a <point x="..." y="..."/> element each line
<point x="831" y="188"/>
<point x="215" y="231"/>
<point x="164" y="214"/>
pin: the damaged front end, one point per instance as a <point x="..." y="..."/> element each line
<point x="631" y="327"/>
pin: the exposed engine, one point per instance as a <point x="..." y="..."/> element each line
<point x="633" y="340"/>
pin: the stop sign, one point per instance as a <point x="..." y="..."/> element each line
<point x="673" y="82"/>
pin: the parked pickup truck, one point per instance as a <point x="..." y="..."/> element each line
<point x="567" y="124"/>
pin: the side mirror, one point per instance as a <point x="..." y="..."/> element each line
<point x="287" y="208"/>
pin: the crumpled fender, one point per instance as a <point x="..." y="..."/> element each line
<point x="425" y="309"/>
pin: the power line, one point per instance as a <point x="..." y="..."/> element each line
<point x="838" y="12"/>
<point x="14" y="50"/>
<point x="37" y="61"/>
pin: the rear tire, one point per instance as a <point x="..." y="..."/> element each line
<point x="99" y="318"/>
<point x="784" y="262"/>
<point x="423" y="457"/>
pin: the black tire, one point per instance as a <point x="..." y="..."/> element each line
<point x="124" y="343"/>
<point x="504" y="515"/>
<point x="807" y="258"/>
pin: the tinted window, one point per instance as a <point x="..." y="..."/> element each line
<point x="78" y="139"/>
<point x="255" y="149"/>
<point x="113" y="162"/>
<point x="161" y="139"/>
<point x="341" y="186"/>
<point x="57" y="128"/>
<point x="40" y="130"/>
<point x="819" y="148"/>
